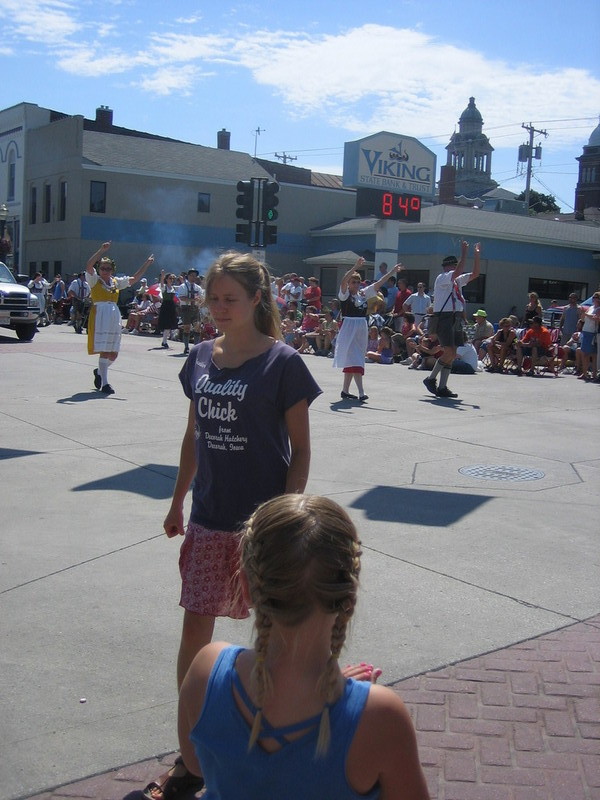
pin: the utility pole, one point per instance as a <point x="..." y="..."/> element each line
<point x="285" y="158"/>
<point x="257" y="133"/>
<point x="530" y="155"/>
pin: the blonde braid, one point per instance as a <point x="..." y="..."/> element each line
<point x="329" y="681"/>
<point x="260" y="677"/>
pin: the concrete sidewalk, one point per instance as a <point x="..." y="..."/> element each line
<point x="521" y="723"/>
<point x="479" y="523"/>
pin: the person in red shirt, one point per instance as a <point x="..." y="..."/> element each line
<point x="312" y="294"/>
<point x="403" y="294"/>
<point x="536" y="343"/>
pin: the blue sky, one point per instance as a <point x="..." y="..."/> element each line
<point x="312" y="75"/>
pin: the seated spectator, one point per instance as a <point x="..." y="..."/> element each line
<point x="465" y="362"/>
<point x="334" y="307"/>
<point x="536" y="343"/>
<point x="400" y="340"/>
<point x="373" y="339"/>
<point x="383" y="354"/>
<point x="293" y="306"/>
<point x="571" y="350"/>
<point x="140" y="305"/>
<point x="322" y="338"/>
<point x="427" y="352"/>
<point x="483" y="329"/>
<point x="288" y="328"/>
<point x="310" y="323"/>
<point x="500" y="345"/>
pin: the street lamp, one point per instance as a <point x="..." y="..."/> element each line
<point x="3" y="216"/>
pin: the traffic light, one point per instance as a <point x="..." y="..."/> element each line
<point x="242" y="232"/>
<point x="270" y="201"/>
<point x="245" y="201"/>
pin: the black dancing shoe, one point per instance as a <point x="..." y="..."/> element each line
<point x="346" y="396"/>
<point x="431" y="385"/>
<point x="107" y="389"/>
<point x="444" y="391"/>
<point x="97" y="379"/>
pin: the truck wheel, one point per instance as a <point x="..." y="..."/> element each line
<point x="25" y="333"/>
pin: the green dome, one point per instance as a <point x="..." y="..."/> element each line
<point x="471" y="114"/>
<point x="595" y="137"/>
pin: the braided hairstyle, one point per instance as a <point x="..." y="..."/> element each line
<point x="300" y="553"/>
<point x="254" y="277"/>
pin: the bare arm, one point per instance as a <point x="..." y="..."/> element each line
<point x="396" y="268"/>
<point x="296" y="420"/>
<point x="346" y="278"/>
<point x="96" y="257"/>
<point x="476" y="262"/>
<point x="135" y="278"/>
<point x="173" y="523"/>
<point x="460" y="267"/>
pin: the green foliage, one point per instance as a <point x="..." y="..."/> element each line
<point x="538" y="203"/>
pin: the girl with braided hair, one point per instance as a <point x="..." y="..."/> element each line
<point x="281" y="720"/>
<point x="246" y="441"/>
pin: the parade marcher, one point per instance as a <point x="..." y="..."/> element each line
<point x="448" y="315"/>
<point x="351" y="343"/>
<point x="104" y="325"/>
<point x="78" y="292"/>
<point x="191" y="296"/>
<point x="167" y="316"/>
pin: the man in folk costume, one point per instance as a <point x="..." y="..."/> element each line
<point x="104" y="324"/>
<point x="448" y="313"/>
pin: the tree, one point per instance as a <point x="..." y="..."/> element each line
<point x="538" y="203"/>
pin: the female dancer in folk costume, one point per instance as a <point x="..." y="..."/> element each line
<point x="281" y="720"/>
<point x="351" y="342"/>
<point x="167" y="316"/>
<point x="104" y="324"/>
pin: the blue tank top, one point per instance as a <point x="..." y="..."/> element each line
<point x="294" y="772"/>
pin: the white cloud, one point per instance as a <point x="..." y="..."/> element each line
<point x="168" y="80"/>
<point x="45" y="21"/>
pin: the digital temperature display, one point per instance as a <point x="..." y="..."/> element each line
<point x="388" y="205"/>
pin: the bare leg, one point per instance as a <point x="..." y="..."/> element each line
<point x="197" y="631"/>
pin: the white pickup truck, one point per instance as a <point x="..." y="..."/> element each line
<point x="19" y="308"/>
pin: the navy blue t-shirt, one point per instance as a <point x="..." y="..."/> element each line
<point x="242" y="442"/>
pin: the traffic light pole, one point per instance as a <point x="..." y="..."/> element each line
<point x="256" y="204"/>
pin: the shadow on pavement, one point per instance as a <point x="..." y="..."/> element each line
<point x="417" y="506"/>
<point x="81" y="397"/>
<point x="137" y="481"/>
<point x="6" y="453"/>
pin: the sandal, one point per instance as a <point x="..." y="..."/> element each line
<point x="174" y="785"/>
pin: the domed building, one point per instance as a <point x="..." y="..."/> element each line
<point x="470" y="153"/>
<point x="587" y="191"/>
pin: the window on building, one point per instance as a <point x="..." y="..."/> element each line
<point x="57" y="268"/>
<point x="12" y="171"/>
<point x="62" y="203"/>
<point x="98" y="197"/>
<point x="557" y="290"/>
<point x="33" y="205"/>
<point x="474" y="292"/>
<point x="203" y="203"/>
<point x="47" y="202"/>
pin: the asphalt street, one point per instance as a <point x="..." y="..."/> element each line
<point x="479" y="522"/>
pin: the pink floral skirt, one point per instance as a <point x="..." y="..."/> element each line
<point x="209" y="564"/>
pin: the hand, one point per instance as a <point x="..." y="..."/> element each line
<point x="477" y="248"/>
<point x="362" y="672"/>
<point x="150" y="259"/>
<point x="105" y="246"/>
<point x="359" y="263"/>
<point x="464" y="246"/>
<point x="173" y="523"/>
<point x="399" y="267"/>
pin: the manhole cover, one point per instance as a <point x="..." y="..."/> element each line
<point x="501" y="472"/>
